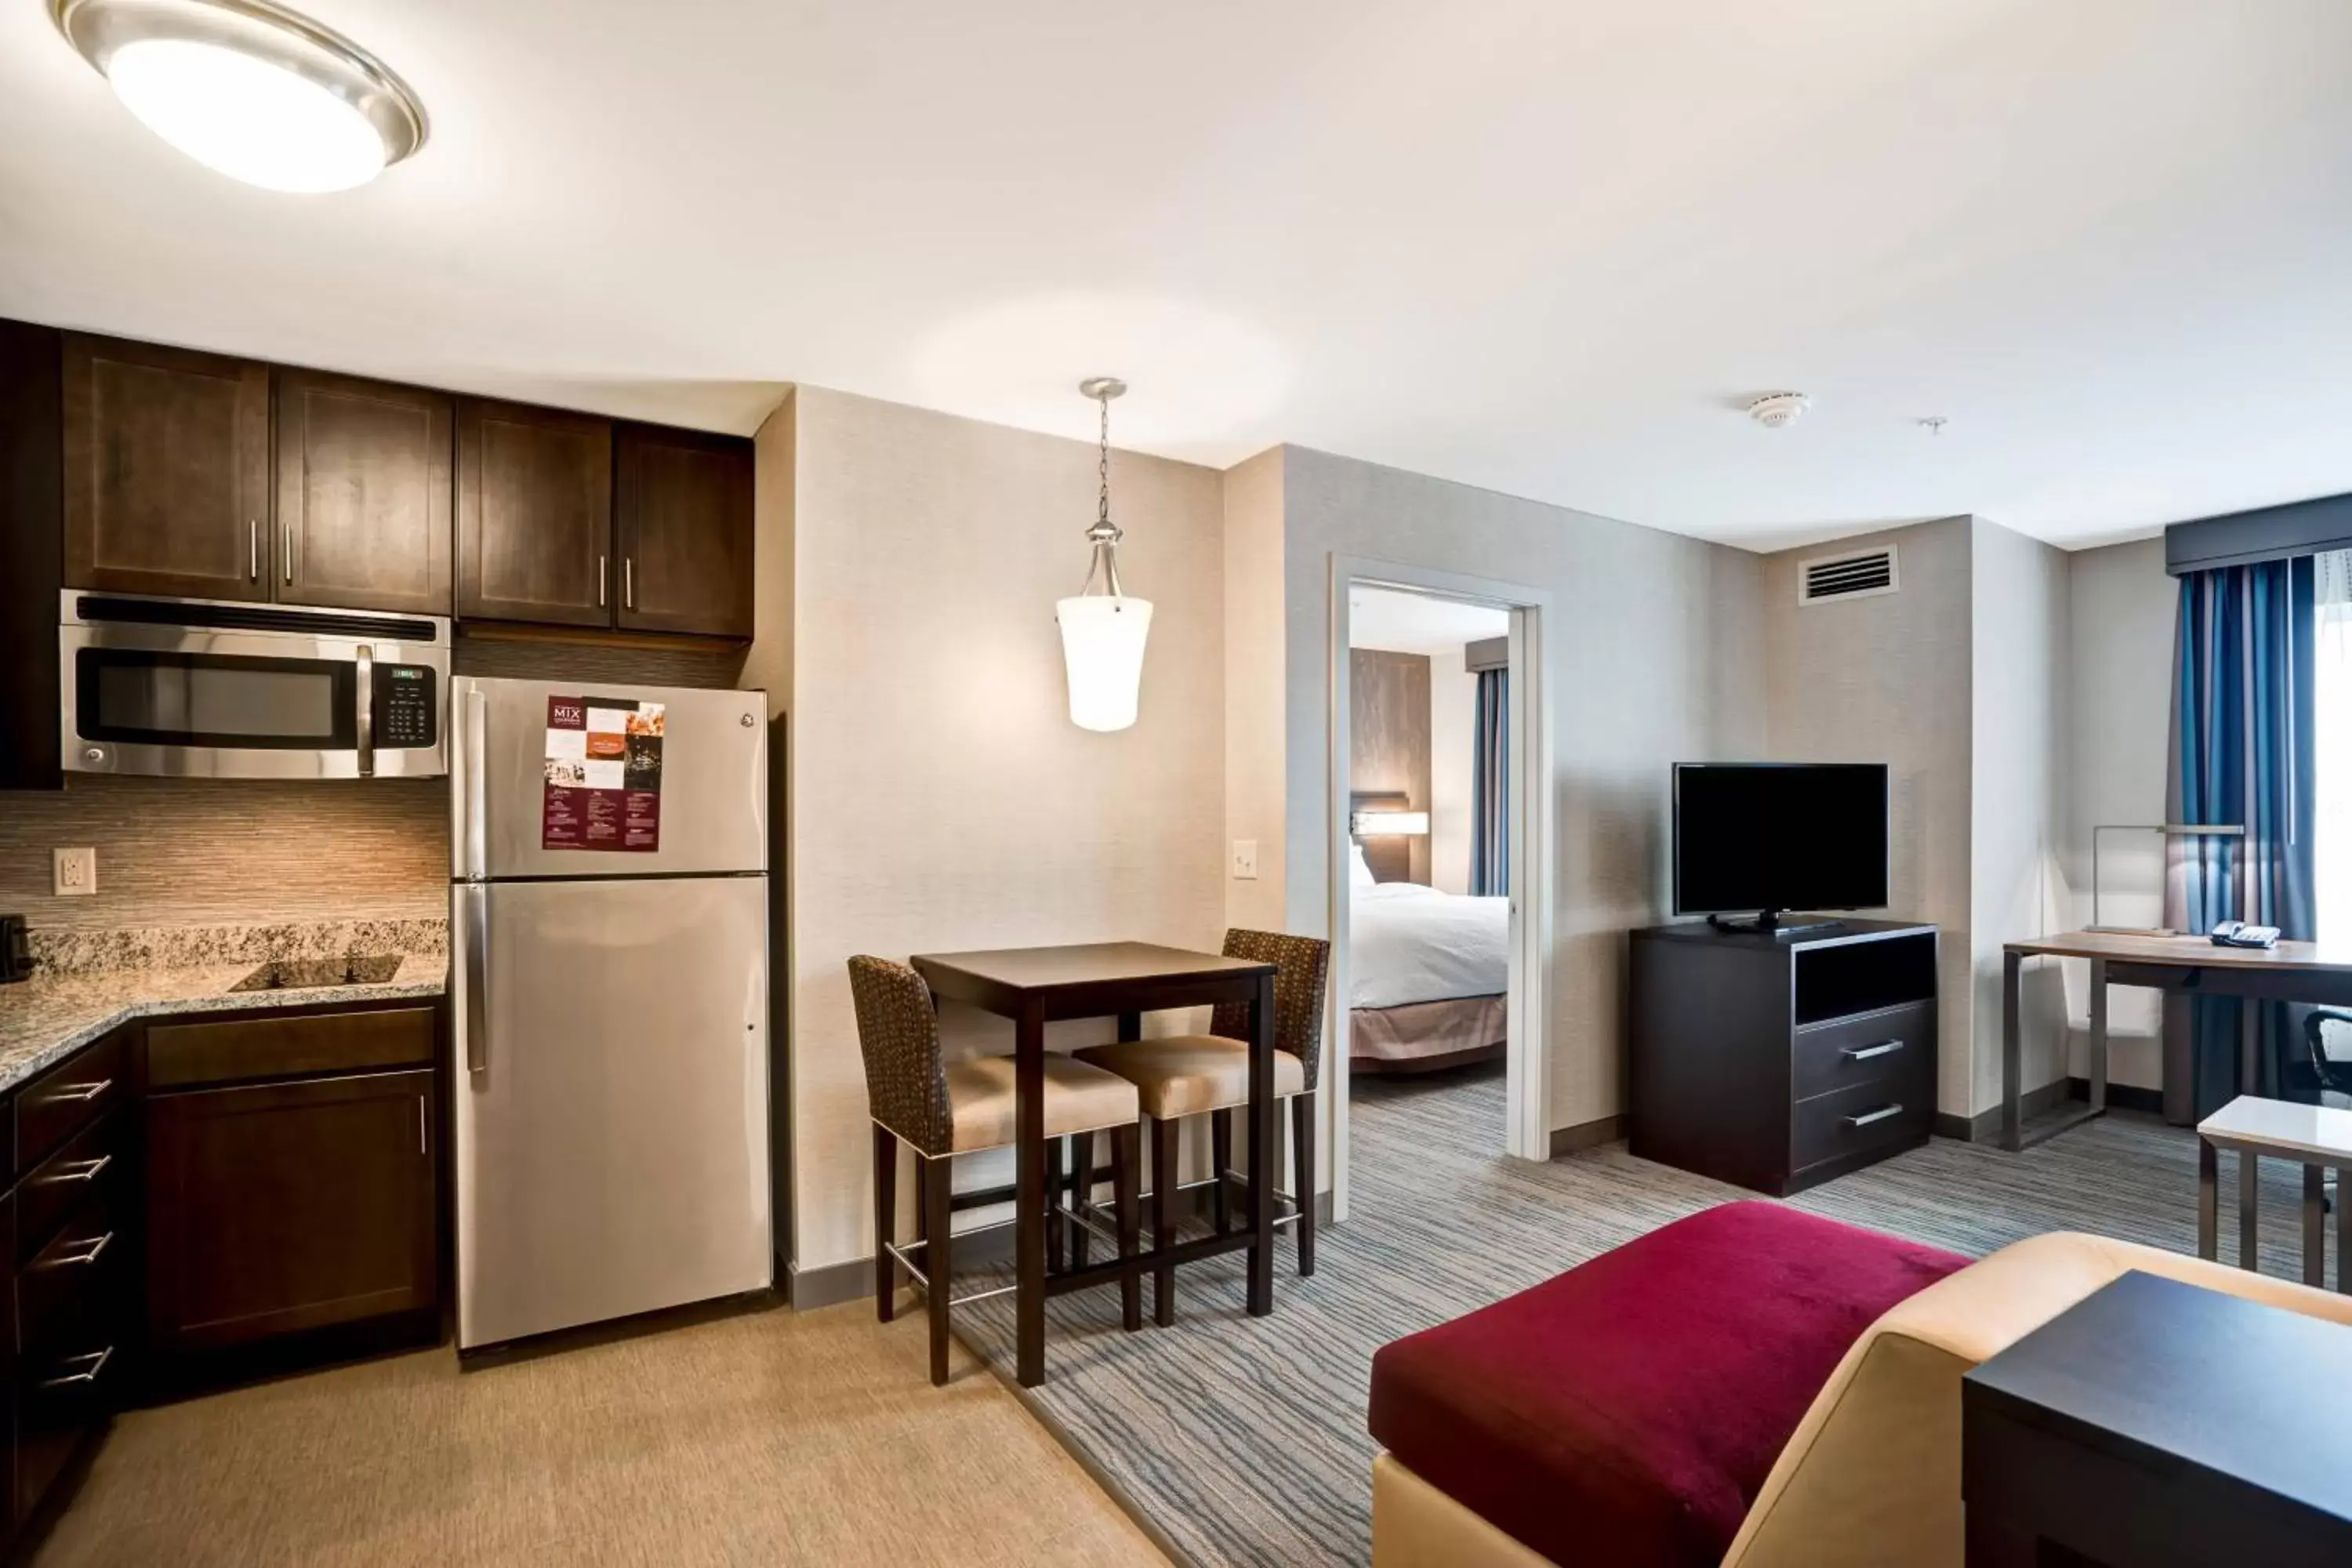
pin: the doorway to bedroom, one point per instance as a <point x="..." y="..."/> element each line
<point x="1431" y="949"/>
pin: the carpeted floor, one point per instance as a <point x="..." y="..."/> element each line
<point x="1241" y="1440"/>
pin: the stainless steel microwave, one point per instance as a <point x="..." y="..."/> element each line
<point x="202" y="689"/>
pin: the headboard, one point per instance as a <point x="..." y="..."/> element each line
<point x="1390" y="855"/>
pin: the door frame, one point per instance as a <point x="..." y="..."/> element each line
<point x="1528" y="1122"/>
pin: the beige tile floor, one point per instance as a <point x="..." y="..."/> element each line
<point x="772" y="1437"/>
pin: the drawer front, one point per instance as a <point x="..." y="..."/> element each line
<point x="93" y="1167"/>
<point x="71" y="1095"/>
<point x="82" y="1277"/>
<point x="60" y="1398"/>
<point x="1866" y="1117"/>
<point x="1873" y="1048"/>
<point x="180" y="1056"/>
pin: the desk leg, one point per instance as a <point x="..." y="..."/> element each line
<point x="2249" y="1045"/>
<point x="2012" y="966"/>
<point x="2208" y="1201"/>
<point x="1265" y="1157"/>
<point x="2343" y="1231"/>
<point x="2250" y="1180"/>
<point x="2314" y="1226"/>
<point x="2098" y="1035"/>
<point x="1029" y="1195"/>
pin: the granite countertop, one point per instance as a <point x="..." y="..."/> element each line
<point x="46" y="1018"/>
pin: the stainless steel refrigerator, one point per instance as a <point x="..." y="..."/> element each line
<point x="608" y="924"/>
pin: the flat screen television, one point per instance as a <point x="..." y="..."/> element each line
<point x="1771" y="837"/>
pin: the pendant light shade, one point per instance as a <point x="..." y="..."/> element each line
<point x="1103" y="634"/>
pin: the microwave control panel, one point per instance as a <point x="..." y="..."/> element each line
<point x="404" y="706"/>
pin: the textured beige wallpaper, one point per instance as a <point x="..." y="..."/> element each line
<point x="205" y="851"/>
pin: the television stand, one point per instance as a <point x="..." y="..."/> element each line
<point x="1776" y="922"/>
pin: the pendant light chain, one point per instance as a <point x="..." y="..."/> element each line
<point x="1102" y="466"/>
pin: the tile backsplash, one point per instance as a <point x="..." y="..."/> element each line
<point x="229" y="851"/>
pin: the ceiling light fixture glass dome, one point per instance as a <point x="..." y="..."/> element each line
<point x="250" y="89"/>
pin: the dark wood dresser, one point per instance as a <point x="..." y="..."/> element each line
<point x="1780" y="1063"/>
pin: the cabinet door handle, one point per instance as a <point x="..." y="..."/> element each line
<point x="420" y="1124"/>
<point x="253" y="550"/>
<point x="91" y="1249"/>
<point x="288" y="540"/>
<point x="599" y="582"/>
<point x="1867" y="1117"/>
<point x="77" y="1093"/>
<point x="97" y="1359"/>
<point x="1865" y="1053"/>
<point x="79" y="1170"/>
<point x="628" y="582"/>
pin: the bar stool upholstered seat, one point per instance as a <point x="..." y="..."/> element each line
<point x="940" y="1108"/>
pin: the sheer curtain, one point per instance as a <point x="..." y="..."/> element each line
<point x="2332" y="704"/>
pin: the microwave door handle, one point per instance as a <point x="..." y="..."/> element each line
<point x="366" y="687"/>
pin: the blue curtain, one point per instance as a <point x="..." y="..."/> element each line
<point x="2242" y="730"/>
<point x="1490" y="788"/>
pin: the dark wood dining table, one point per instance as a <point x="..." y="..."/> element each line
<point x="1034" y="986"/>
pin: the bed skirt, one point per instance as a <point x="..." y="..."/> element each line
<point x="1423" y="1036"/>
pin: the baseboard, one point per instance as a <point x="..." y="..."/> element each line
<point x="2122" y="1095"/>
<point x="1586" y="1135"/>
<point x="831" y="1284"/>
<point x="1984" y="1127"/>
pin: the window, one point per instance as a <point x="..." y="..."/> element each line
<point x="2332" y="746"/>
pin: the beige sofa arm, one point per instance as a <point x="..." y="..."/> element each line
<point x="1871" y="1475"/>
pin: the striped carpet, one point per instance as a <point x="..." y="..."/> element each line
<point x="1241" y="1440"/>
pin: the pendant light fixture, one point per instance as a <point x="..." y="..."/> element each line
<point x="1103" y="633"/>
<point x="249" y="88"/>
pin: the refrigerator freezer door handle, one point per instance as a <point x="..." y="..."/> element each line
<point x="474" y="902"/>
<point x="476" y="782"/>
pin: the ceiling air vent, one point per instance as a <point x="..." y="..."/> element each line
<point x="1827" y="577"/>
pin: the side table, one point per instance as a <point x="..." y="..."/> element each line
<point x="2316" y="1137"/>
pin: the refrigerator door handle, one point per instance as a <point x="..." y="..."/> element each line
<point x="476" y="782"/>
<point x="474" y="906"/>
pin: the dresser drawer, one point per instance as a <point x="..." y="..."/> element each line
<point x="1866" y="1117"/>
<point x="231" y="1050"/>
<point x="71" y="1095"/>
<point x="1874" y="1048"/>
<point x="93" y="1167"/>
<point x="81" y="1279"/>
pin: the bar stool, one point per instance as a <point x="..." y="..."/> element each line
<point x="1192" y="1075"/>
<point x="940" y="1108"/>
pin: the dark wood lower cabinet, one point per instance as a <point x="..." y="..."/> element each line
<point x="278" y="1208"/>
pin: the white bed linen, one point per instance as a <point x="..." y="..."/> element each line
<point x="1407" y="943"/>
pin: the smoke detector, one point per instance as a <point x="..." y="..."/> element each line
<point x="1776" y="409"/>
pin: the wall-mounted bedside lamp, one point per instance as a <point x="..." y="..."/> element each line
<point x="1388" y="824"/>
<point x="2170" y="830"/>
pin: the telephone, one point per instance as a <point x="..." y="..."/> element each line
<point x="2237" y="933"/>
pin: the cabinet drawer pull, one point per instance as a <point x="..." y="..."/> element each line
<point x="1865" y="1053"/>
<point x="79" y="1169"/>
<point x="1867" y="1117"/>
<point x="97" y="1359"/>
<point x="77" y="1093"/>
<point x="89" y="1253"/>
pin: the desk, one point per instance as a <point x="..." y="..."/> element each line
<point x="2290" y="972"/>
<point x="1034" y="986"/>
<point x="2157" y="1424"/>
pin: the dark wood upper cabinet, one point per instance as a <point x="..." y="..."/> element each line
<point x="277" y="1208"/>
<point x="364" y="494"/>
<point x="534" y="515"/>
<point x="166" y="470"/>
<point x="684" y="531"/>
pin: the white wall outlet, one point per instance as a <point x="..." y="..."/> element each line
<point x="1245" y="860"/>
<point x="73" y="871"/>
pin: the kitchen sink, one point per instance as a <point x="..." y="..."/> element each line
<point x="304" y="973"/>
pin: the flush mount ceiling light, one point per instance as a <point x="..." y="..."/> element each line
<point x="1778" y="410"/>
<point x="1103" y="634"/>
<point x="250" y="89"/>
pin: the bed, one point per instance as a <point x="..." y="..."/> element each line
<point x="1428" y="976"/>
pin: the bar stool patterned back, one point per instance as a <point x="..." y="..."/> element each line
<point x="1192" y="1075"/>
<point x="940" y="1108"/>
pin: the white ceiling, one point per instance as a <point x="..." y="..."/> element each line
<point x="1541" y="246"/>
<point x="1417" y="622"/>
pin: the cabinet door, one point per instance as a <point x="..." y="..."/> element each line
<point x="364" y="494"/>
<point x="534" y="515"/>
<point x="684" y="521"/>
<point x="167" y="470"/>
<point x="279" y="1207"/>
